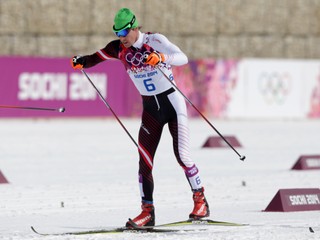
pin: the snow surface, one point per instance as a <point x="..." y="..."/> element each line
<point x="81" y="174"/>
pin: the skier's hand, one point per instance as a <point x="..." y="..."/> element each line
<point x="77" y="62"/>
<point x="154" y="58"/>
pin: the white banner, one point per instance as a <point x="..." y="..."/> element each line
<point x="275" y="89"/>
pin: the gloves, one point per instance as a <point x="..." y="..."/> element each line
<point x="154" y="58"/>
<point x="77" y="62"/>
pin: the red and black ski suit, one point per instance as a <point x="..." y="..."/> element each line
<point x="161" y="103"/>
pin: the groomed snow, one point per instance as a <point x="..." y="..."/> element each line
<point x="80" y="174"/>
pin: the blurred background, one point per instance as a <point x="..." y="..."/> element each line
<point x="253" y="71"/>
<point x="247" y="58"/>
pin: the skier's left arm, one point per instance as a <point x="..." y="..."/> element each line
<point x="166" y="52"/>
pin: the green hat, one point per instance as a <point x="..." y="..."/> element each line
<point x="124" y="18"/>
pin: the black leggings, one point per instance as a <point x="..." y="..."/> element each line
<point x="167" y="107"/>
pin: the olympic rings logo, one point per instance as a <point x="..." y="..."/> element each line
<point x="136" y="59"/>
<point x="275" y="86"/>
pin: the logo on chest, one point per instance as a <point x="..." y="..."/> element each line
<point x="136" y="58"/>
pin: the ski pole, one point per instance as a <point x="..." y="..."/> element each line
<point x="242" y="157"/>
<point x="108" y="106"/>
<point x="62" y="109"/>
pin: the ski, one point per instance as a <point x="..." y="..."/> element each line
<point x="161" y="228"/>
<point x="189" y="222"/>
<point x="192" y="221"/>
<point x="108" y="231"/>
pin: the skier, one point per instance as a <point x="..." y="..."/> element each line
<point x="142" y="54"/>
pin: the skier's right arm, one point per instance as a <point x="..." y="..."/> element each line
<point x="79" y="62"/>
<point x="109" y="52"/>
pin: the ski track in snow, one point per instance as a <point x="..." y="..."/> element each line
<point x="80" y="174"/>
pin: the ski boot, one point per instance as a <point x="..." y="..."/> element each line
<point x="201" y="206"/>
<point x="145" y="218"/>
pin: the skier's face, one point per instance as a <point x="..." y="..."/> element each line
<point x="130" y="38"/>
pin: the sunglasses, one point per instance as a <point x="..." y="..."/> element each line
<point x="125" y="29"/>
<point x="123" y="32"/>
